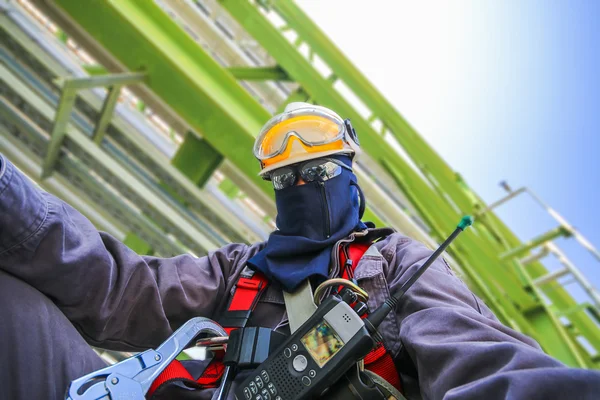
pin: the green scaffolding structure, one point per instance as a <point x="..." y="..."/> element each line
<point x="140" y="38"/>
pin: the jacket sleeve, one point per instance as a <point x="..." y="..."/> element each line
<point x="116" y="298"/>
<point x="460" y="349"/>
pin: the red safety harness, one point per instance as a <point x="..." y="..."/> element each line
<point x="378" y="360"/>
<point x="247" y="292"/>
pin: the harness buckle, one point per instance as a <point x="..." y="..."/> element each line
<point x="252" y="284"/>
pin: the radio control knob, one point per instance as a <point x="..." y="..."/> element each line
<point x="300" y="363"/>
<point x="306" y="381"/>
<point x="287" y="352"/>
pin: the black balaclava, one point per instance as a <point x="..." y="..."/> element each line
<point x="311" y="218"/>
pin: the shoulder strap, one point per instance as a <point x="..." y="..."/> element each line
<point x="378" y="361"/>
<point x="246" y="293"/>
<point x="349" y="256"/>
<point x="299" y="305"/>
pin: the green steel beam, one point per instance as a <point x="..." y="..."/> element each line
<point x="206" y="95"/>
<point x="534" y="243"/>
<point x="229" y="188"/>
<point x="564" y="347"/>
<point x="196" y="159"/>
<point x="70" y="86"/>
<point x="33" y="133"/>
<point x="79" y="145"/>
<point x="95" y="69"/>
<point x="259" y="73"/>
<point x="103" y="80"/>
<point x="62" y="36"/>
<point x="26" y="50"/>
<point x="406" y="135"/>
<point x="106" y="113"/>
<point x="137" y="244"/>
<point x="59" y="128"/>
<point x="143" y="38"/>
<point x="560" y="297"/>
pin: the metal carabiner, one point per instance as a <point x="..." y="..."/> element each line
<point x="132" y="378"/>
<point x="362" y="295"/>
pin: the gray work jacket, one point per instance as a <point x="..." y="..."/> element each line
<point x="121" y="300"/>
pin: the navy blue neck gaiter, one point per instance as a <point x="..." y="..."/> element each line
<point x="311" y="218"/>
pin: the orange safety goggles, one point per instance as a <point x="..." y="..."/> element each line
<point x="306" y="130"/>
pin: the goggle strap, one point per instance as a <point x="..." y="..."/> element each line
<point x="351" y="131"/>
<point x="362" y="205"/>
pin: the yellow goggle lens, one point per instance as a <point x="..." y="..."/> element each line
<point x="311" y="129"/>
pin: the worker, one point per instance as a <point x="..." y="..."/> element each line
<point x="65" y="285"/>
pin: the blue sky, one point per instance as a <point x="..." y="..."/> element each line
<point x="513" y="83"/>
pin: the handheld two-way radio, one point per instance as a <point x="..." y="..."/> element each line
<point x="322" y="350"/>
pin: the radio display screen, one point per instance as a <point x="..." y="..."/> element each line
<point x="322" y="342"/>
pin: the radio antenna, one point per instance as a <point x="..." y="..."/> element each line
<point x="375" y="318"/>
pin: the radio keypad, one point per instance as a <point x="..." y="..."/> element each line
<point x="265" y="394"/>
<point x="264" y="376"/>
<point x="262" y="388"/>
<point x="259" y="382"/>
<point x="253" y="387"/>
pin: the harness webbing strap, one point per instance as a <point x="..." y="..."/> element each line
<point x="381" y="362"/>
<point x="299" y="305"/>
<point x="378" y="360"/>
<point x="212" y="374"/>
<point x="246" y="294"/>
<point x="175" y="370"/>
<point x="352" y="252"/>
